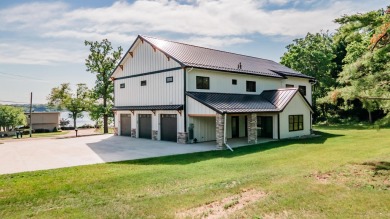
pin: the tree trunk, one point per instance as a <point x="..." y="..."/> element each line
<point x="369" y="116"/>
<point x="105" y="122"/>
<point x="74" y="121"/>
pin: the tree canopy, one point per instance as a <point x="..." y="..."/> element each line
<point x="102" y="61"/>
<point x="11" y="117"/>
<point x="62" y="97"/>
<point x="350" y="65"/>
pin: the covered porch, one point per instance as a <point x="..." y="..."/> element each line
<point x="229" y="120"/>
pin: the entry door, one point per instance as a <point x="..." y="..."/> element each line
<point x="169" y="127"/>
<point x="265" y="127"/>
<point x="145" y="126"/>
<point x="126" y="124"/>
<point x="235" y="127"/>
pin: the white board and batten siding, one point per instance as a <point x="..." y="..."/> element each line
<point x="297" y="106"/>
<point x="145" y="59"/>
<point x="194" y="108"/>
<point x="298" y="82"/>
<point x="156" y="91"/>
<point x="204" y="128"/>
<point x="221" y="82"/>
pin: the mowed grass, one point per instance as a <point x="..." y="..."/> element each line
<point x="287" y="171"/>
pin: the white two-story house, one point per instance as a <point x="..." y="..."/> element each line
<point x="172" y="91"/>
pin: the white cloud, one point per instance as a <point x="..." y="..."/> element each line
<point x="28" y="54"/>
<point x="215" y="23"/>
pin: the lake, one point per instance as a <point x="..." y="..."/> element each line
<point x="86" y="120"/>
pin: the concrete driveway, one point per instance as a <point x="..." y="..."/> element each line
<point x="20" y="156"/>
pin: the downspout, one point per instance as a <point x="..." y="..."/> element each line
<point x="224" y="133"/>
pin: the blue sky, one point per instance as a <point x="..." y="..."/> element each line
<point x="42" y="42"/>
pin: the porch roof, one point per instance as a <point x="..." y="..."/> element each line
<point x="267" y="101"/>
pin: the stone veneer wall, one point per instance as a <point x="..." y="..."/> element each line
<point x="252" y="128"/>
<point x="155" y="135"/>
<point x="182" y="137"/>
<point x="220" y="120"/>
<point x="133" y="133"/>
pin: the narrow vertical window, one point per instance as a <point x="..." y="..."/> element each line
<point x="251" y="86"/>
<point x="302" y="89"/>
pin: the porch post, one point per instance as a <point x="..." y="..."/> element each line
<point x="252" y="128"/>
<point x="220" y="135"/>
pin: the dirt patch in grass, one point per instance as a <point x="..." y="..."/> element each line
<point x="370" y="175"/>
<point x="224" y="207"/>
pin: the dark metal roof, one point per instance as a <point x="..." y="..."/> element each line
<point x="200" y="57"/>
<point x="267" y="101"/>
<point x="150" y="107"/>
<point x="279" y="98"/>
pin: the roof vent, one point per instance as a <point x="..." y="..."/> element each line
<point x="239" y="65"/>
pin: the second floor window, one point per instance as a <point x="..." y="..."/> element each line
<point x="122" y="85"/>
<point x="202" y="82"/>
<point x="302" y="89"/>
<point x="234" y="81"/>
<point x="251" y="86"/>
<point x="143" y="83"/>
<point x="289" y="85"/>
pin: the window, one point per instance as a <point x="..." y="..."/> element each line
<point x="143" y="83"/>
<point x="289" y="85"/>
<point x="234" y="81"/>
<point x="169" y="79"/>
<point x="302" y="89"/>
<point x="251" y="86"/>
<point x="202" y="82"/>
<point x="122" y="85"/>
<point x="295" y="122"/>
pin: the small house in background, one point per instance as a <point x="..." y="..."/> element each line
<point x="44" y="120"/>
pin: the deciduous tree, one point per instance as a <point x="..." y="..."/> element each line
<point x="62" y="97"/>
<point x="11" y="116"/>
<point x="102" y="61"/>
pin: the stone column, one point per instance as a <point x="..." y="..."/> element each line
<point x="220" y="122"/>
<point x="133" y="133"/>
<point x="252" y="128"/>
<point x="155" y="135"/>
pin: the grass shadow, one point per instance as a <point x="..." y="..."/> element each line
<point x="184" y="159"/>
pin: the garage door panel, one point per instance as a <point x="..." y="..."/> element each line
<point x="125" y="124"/>
<point x="145" y="126"/>
<point x="169" y="127"/>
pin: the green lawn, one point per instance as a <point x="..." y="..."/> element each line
<point x="343" y="174"/>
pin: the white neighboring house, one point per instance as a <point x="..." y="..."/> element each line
<point x="172" y="91"/>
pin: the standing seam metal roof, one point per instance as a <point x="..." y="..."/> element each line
<point x="267" y="101"/>
<point x="201" y="57"/>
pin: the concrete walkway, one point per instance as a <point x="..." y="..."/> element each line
<point x="42" y="154"/>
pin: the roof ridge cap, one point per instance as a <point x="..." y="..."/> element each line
<point x="208" y="48"/>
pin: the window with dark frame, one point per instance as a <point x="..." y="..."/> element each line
<point x="169" y="79"/>
<point x="295" y="123"/>
<point x="302" y="89"/>
<point x="251" y="86"/>
<point x="289" y="85"/>
<point x="234" y="81"/>
<point x="143" y="83"/>
<point x="202" y="82"/>
<point x="122" y="85"/>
